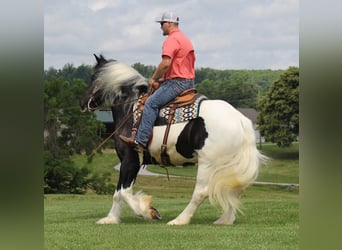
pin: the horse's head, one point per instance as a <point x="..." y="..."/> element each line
<point x="111" y="82"/>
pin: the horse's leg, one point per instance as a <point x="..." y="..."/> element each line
<point x="140" y="203"/>
<point x="199" y="194"/>
<point x="228" y="216"/>
<point x="128" y="171"/>
<point x="113" y="216"/>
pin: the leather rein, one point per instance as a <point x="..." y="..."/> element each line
<point x="122" y="123"/>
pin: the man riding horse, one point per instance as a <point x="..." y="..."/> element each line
<point x="219" y="139"/>
<point x="174" y="74"/>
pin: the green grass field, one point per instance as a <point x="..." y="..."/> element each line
<point x="270" y="219"/>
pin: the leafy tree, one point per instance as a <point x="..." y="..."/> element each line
<point x="237" y="94"/>
<point x="70" y="73"/>
<point x="146" y="71"/>
<point x="208" y="88"/>
<point x="50" y="73"/>
<point x="279" y="110"/>
<point x="83" y="72"/>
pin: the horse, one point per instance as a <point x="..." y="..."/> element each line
<point x="221" y="141"/>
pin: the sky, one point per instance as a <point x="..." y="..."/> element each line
<point x="226" y="34"/>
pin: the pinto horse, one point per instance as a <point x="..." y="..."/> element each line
<point x="221" y="141"/>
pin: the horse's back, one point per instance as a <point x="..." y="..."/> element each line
<point x="226" y="126"/>
<point x="220" y="111"/>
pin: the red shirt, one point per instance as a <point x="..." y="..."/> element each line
<point x="179" y="48"/>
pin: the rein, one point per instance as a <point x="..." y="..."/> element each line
<point x="112" y="105"/>
<point x="123" y="122"/>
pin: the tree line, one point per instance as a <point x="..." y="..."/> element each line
<point x="241" y="88"/>
<point x="67" y="131"/>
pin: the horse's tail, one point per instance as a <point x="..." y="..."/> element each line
<point x="233" y="173"/>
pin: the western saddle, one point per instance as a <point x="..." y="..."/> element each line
<point x="187" y="97"/>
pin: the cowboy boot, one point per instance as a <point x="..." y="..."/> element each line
<point x="130" y="140"/>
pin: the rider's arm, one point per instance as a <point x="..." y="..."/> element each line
<point x="161" y="69"/>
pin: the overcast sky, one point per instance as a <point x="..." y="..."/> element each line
<point x="226" y="34"/>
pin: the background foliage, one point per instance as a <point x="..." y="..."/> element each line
<point x="66" y="131"/>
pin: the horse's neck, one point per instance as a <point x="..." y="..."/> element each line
<point x="122" y="113"/>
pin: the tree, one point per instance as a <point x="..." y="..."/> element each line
<point x="278" y="119"/>
<point x="237" y="94"/>
<point x="66" y="131"/>
<point x="146" y="71"/>
<point x="70" y="73"/>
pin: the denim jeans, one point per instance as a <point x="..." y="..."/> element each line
<point x="167" y="91"/>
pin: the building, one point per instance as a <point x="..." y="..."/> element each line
<point x="252" y="114"/>
<point x="105" y="116"/>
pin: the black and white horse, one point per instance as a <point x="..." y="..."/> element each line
<point x="221" y="141"/>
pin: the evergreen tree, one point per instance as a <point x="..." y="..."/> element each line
<point x="66" y="131"/>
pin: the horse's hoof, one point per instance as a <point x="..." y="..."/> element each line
<point x="179" y="221"/>
<point x="225" y="220"/>
<point x="155" y="215"/>
<point x="175" y="222"/>
<point x="108" y="220"/>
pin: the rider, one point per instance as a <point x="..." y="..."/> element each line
<point x="175" y="73"/>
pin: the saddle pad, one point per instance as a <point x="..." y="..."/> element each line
<point x="185" y="113"/>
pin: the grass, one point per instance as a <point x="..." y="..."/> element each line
<point x="270" y="219"/>
<point x="283" y="166"/>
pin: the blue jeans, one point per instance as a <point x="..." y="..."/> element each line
<point x="167" y="91"/>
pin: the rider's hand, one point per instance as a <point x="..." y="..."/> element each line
<point x="154" y="84"/>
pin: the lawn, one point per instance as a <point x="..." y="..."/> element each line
<point x="270" y="219"/>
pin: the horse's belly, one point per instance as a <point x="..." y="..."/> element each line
<point x="175" y="157"/>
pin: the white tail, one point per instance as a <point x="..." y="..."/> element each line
<point x="236" y="171"/>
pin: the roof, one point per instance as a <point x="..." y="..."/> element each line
<point x="104" y="115"/>
<point x="251" y="113"/>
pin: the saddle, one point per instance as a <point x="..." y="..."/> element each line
<point x="184" y="107"/>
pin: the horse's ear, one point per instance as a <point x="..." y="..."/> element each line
<point x="100" y="60"/>
<point x="97" y="59"/>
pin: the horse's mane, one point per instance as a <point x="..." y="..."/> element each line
<point x="118" y="78"/>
